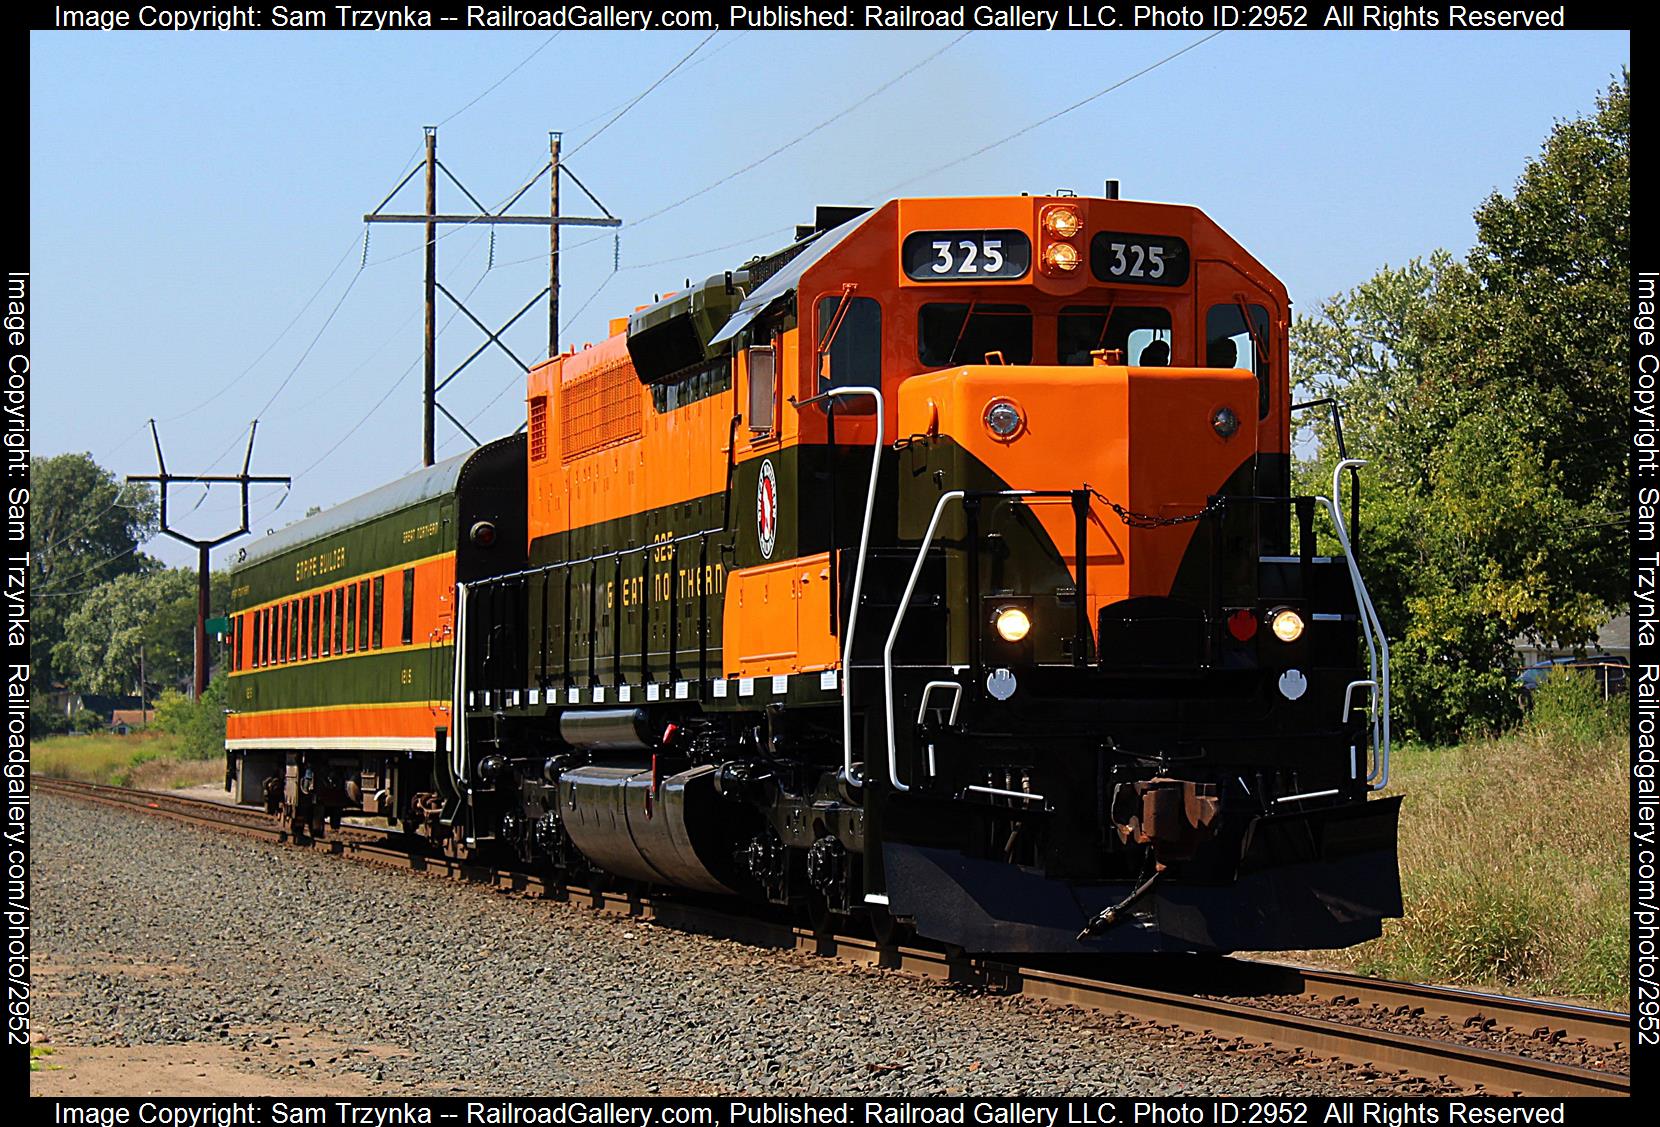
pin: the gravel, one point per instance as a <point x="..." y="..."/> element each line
<point x="382" y="982"/>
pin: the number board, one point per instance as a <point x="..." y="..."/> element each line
<point x="1142" y="260"/>
<point x="966" y="256"/>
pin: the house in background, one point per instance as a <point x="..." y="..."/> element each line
<point x="1613" y="639"/>
<point x="125" y="720"/>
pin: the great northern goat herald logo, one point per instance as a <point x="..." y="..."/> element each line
<point x="766" y="509"/>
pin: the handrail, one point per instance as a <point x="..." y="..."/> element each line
<point x="893" y="634"/>
<point x="905" y="604"/>
<point x="525" y="573"/>
<point x="1377" y="776"/>
<point x="458" y="709"/>
<point x="848" y="772"/>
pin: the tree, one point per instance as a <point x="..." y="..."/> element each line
<point x="85" y="528"/>
<point x="1488" y="397"/>
<point x="151" y="611"/>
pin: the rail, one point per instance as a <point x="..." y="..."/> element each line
<point x="1260" y="1002"/>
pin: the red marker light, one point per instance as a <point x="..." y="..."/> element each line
<point x="1242" y="624"/>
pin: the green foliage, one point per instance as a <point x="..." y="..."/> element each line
<point x="44" y="720"/>
<point x="87" y="722"/>
<point x="199" y="725"/>
<point x="173" y="712"/>
<point x="88" y="529"/>
<point x="1569" y="705"/>
<point x="1501" y="890"/>
<point x="153" y="612"/>
<point x="1488" y="398"/>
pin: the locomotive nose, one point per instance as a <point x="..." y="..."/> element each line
<point x="1150" y="446"/>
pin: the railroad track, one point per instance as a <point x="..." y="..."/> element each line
<point x="1262" y="1003"/>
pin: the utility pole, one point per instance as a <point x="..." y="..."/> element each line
<point x="430" y="221"/>
<point x="553" y="245"/>
<point x="430" y="384"/>
<point x="163" y="479"/>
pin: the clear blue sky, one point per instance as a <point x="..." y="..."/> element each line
<point x="190" y="192"/>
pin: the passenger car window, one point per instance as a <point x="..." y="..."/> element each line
<point x="379" y="613"/>
<point x="408" y="605"/>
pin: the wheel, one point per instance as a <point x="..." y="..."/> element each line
<point x="820" y="918"/>
<point x="889" y="930"/>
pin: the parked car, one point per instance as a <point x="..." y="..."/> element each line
<point x="1611" y="673"/>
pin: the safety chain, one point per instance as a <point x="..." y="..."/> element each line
<point x="1145" y="520"/>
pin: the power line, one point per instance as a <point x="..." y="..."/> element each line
<point x="396" y="383"/>
<point x="522" y="63"/>
<point x="758" y="161"/>
<point x="1051" y="117"/>
<point x="639" y="97"/>
<point x="790" y="144"/>
<point x="224" y="387"/>
<point x="705" y="59"/>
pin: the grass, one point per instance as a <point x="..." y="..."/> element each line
<point x="1514" y="861"/>
<point x="147" y="759"/>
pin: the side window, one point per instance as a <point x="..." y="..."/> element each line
<point x="328" y="617"/>
<point x="253" y="640"/>
<point x="316" y="624"/>
<point x="763" y="389"/>
<point x="363" y="615"/>
<point x="294" y="630"/>
<point x="855" y="357"/>
<point x="377" y="617"/>
<point x="1231" y="343"/>
<point x="282" y="634"/>
<point x="351" y="618"/>
<point x="305" y="628"/>
<point x="1130" y="329"/>
<point x="340" y="620"/>
<point x="961" y="332"/>
<point x="408" y="605"/>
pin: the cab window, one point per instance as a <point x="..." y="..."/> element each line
<point x="962" y="332"/>
<point x="1130" y="329"/>
<point x="1231" y="343"/>
<point x="855" y="352"/>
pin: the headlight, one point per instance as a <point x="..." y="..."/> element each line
<point x="1060" y="258"/>
<point x="1012" y="624"/>
<point x="1003" y="418"/>
<point x="1287" y="625"/>
<point x="1063" y="222"/>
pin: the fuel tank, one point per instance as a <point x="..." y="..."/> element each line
<point x="670" y="831"/>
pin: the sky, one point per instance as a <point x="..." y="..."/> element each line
<point x="198" y="255"/>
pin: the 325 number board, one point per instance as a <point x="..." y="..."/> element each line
<point x="966" y="256"/>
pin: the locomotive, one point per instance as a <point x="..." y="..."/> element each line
<point x="940" y="569"/>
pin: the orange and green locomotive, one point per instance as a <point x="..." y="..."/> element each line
<point x="940" y="568"/>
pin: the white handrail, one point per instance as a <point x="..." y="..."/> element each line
<point x="858" y="577"/>
<point x="905" y="606"/>
<point x="1377" y="651"/>
<point x="893" y="633"/>
<point x="458" y="709"/>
